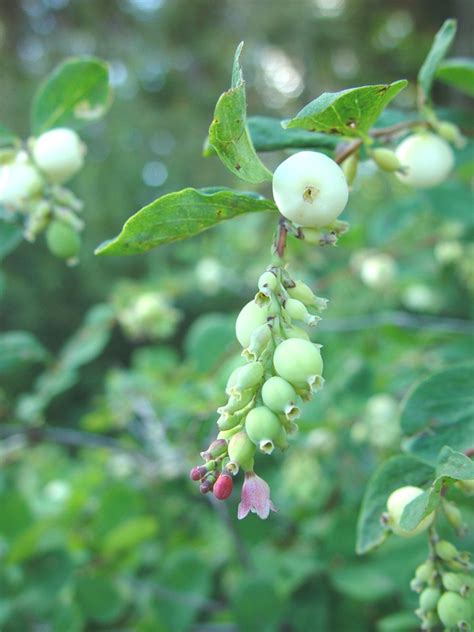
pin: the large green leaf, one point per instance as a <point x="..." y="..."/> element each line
<point x="76" y="92"/>
<point x="394" y="473"/>
<point x="349" y="113"/>
<point x="18" y="348"/>
<point x="441" y="44"/>
<point x="10" y="237"/>
<point x="229" y="134"/>
<point x="458" y="72"/>
<point x="180" y="215"/>
<point x="451" y="467"/>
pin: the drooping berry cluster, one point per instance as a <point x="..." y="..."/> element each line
<point x="283" y="367"/>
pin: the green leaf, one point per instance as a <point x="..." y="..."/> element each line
<point x="229" y="134"/>
<point x="18" y="348"/>
<point x="256" y="605"/>
<point x="269" y="135"/>
<point x="76" y="92"/>
<point x="180" y="215"/>
<point x="458" y="72"/>
<point x="363" y="582"/>
<point x="348" y="113"/>
<point x="452" y="466"/>
<point x="11" y="236"/>
<point x="7" y="138"/>
<point x="441" y="44"/>
<point x="129" y="534"/>
<point x="396" y="472"/>
<point x="99" y="598"/>
<point x="208" y="338"/>
<point x="405" y="621"/>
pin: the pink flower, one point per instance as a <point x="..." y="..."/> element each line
<point x="255" y="497"/>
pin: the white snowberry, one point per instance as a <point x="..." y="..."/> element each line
<point x="59" y="153"/>
<point x="396" y="503"/>
<point x="310" y="189"/>
<point x="426" y="159"/>
<point x="19" y="181"/>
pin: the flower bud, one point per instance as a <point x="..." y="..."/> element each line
<point x="241" y="451"/>
<point x="264" y="429"/>
<point x="305" y="294"/>
<point x="280" y="397"/>
<point x="429" y="599"/>
<point x="223" y="486"/>
<point x="198" y="472"/>
<point x="386" y="159"/>
<point x="59" y="153"/>
<point x="217" y="448"/>
<point x="299" y="362"/>
<point x="446" y="551"/>
<point x="244" y="377"/>
<point x="396" y="503"/>
<point x="454" y="516"/>
<point x="349" y="167"/>
<point x="453" y="610"/>
<point x="250" y="318"/>
<point x="207" y="484"/>
<point x="297" y="311"/>
<point x="62" y="240"/>
<point x="259" y="342"/>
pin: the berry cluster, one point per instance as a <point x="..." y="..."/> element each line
<point x="283" y="367"/>
<point x="31" y="189"/>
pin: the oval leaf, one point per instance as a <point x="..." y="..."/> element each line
<point x="76" y="92"/>
<point x="229" y="134"/>
<point x="349" y="113"/>
<point x="394" y="473"/>
<point x="180" y="215"/>
<point x="441" y="44"/>
<point x="18" y="348"/>
<point x="459" y="73"/>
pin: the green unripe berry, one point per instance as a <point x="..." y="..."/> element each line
<point x="280" y="397"/>
<point x="259" y="341"/>
<point x="241" y="451"/>
<point x="298" y="361"/>
<point x="244" y="377"/>
<point x="424" y="572"/>
<point x="429" y="599"/>
<point x="249" y="319"/>
<point x="458" y="582"/>
<point x="349" y="167"/>
<point x="62" y="240"/>
<point x="396" y="503"/>
<point x="295" y="332"/>
<point x="454" y="609"/>
<point x="267" y="283"/>
<point x="297" y="311"/>
<point x="386" y="159"/>
<point x="451" y="133"/>
<point x="453" y="514"/>
<point x="264" y="429"/>
<point x="305" y="294"/>
<point x="446" y="551"/>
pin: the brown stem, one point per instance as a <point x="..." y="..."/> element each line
<point x="347" y="150"/>
<point x="392" y="130"/>
<point x="281" y="238"/>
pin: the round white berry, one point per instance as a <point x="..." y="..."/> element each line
<point x="19" y="181"/>
<point x="59" y="153"/>
<point x="426" y="160"/>
<point x="310" y="189"/>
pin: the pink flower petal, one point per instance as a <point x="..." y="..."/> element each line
<point x="255" y="497"/>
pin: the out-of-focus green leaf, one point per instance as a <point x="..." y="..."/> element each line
<point x="405" y="621"/>
<point x="441" y="44"/>
<point x="18" y="348"/>
<point x="458" y="72"/>
<point x="99" y="597"/>
<point x="76" y="92"/>
<point x="67" y="617"/>
<point x="7" y="138"/>
<point x="349" y="113"/>
<point x="129" y="534"/>
<point x="229" y="134"/>
<point x="394" y="473"/>
<point x="180" y="215"/>
<point x="10" y="237"/>
<point x="363" y="582"/>
<point x="208" y="338"/>
<point x="256" y="604"/>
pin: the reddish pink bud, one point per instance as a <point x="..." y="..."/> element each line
<point x="223" y="486"/>
<point x="198" y="472"/>
<point x="206" y="485"/>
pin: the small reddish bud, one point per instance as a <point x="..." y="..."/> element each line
<point x="198" y="472"/>
<point x="223" y="486"/>
<point x="206" y="486"/>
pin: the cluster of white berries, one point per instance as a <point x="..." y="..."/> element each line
<point x="30" y="185"/>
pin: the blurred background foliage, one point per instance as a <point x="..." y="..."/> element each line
<point x="99" y="527"/>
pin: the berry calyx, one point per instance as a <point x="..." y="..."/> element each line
<point x="62" y="240"/>
<point x="264" y="429"/>
<point x="426" y="160"/>
<point x="310" y="189"/>
<point x="396" y="503"/>
<point x="280" y="397"/>
<point x="241" y="452"/>
<point x="59" y="153"/>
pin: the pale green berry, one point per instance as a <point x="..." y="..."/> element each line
<point x="259" y="341"/>
<point x="396" y="503"/>
<point x="249" y="319"/>
<point x="310" y="189"/>
<point x="305" y="294"/>
<point x="19" y="181"/>
<point x="349" y="167"/>
<point x="426" y="160"/>
<point x="297" y="311"/>
<point x="298" y="361"/>
<point x="453" y="609"/>
<point x="267" y="283"/>
<point x="386" y="159"/>
<point x="429" y="598"/>
<point x="244" y="377"/>
<point x="59" y="153"/>
<point x="295" y="332"/>
<point x="378" y="270"/>
<point x="446" y="551"/>
<point x="280" y="397"/>
<point x="264" y="429"/>
<point x="62" y="240"/>
<point x="451" y="133"/>
<point x="458" y="582"/>
<point x="241" y="451"/>
<point x="425" y="571"/>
